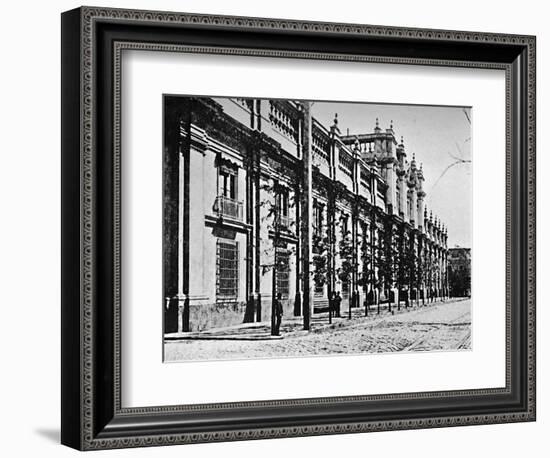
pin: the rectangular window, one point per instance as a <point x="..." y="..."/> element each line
<point x="317" y="218"/>
<point x="227" y="183"/>
<point x="283" y="272"/>
<point x="227" y="269"/>
<point x="345" y="225"/>
<point x="227" y="205"/>
<point x="283" y="208"/>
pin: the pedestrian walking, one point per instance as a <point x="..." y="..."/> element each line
<point x="278" y="313"/>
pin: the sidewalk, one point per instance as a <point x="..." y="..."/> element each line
<point x="293" y="326"/>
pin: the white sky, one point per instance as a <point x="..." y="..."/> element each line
<point x="433" y="133"/>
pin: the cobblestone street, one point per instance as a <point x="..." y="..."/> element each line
<point x="436" y="327"/>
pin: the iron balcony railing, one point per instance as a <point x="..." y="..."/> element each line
<point x="229" y="208"/>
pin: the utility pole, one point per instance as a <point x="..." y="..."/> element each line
<point x="306" y="212"/>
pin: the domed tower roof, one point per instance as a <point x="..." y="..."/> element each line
<point x="401" y="161"/>
<point x="400" y="150"/>
<point x="411" y="172"/>
<point x="420" y="173"/>
<point x="413" y="162"/>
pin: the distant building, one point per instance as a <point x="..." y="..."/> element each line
<point x="459" y="271"/>
<point x="260" y="198"/>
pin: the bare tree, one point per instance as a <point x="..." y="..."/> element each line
<point x="456" y="159"/>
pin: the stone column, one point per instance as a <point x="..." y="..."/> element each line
<point x="297" y="202"/>
<point x="354" y="290"/>
<point x="182" y="296"/>
<point x="355" y="298"/>
<point x="402" y="197"/>
<point x="413" y="208"/>
<point x="420" y="213"/>
<point x="250" y="234"/>
<point x="276" y="234"/>
<point x="256" y="151"/>
<point x="298" y="292"/>
<point x="390" y="193"/>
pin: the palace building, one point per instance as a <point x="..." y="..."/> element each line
<point x="260" y="199"/>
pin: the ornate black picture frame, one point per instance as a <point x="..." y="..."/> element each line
<point x="92" y="41"/>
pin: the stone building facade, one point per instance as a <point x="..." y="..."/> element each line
<point x="459" y="271"/>
<point x="261" y="199"/>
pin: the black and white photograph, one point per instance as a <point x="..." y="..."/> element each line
<point x="243" y="229"/>
<point x="300" y="228"/>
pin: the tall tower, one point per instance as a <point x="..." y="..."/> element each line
<point x="401" y="187"/>
<point x="412" y="183"/>
<point x="384" y="150"/>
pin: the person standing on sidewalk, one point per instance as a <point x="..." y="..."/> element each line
<point x="278" y="313"/>
<point x="337" y="303"/>
<point x="331" y="308"/>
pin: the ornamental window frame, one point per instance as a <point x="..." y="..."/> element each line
<point x="231" y="272"/>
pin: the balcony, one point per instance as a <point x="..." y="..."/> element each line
<point x="284" y="118"/>
<point x="228" y="208"/>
